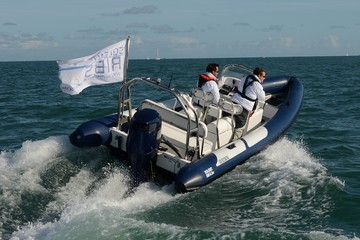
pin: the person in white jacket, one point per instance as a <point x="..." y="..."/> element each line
<point x="249" y="92"/>
<point x="208" y="81"/>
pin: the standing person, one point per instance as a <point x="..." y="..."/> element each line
<point x="208" y="81"/>
<point x="249" y="92"/>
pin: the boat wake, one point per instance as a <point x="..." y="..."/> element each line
<point x="53" y="190"/>
<point x="50" y="184"/>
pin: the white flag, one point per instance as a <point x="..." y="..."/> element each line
<point x="106" y="66"/>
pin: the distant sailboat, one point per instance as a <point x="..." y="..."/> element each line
<point x="157" y="55"/>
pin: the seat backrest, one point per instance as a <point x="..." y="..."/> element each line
<point x="228" y="106"/>
<point x="255" y="117"/>
<point x="220" y="132"/>
<point x="201" y="97"/>
<point x="172" y="117"/>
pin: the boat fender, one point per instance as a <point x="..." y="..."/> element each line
<point x="91" y="134"/>
<point x="142" y="143"/>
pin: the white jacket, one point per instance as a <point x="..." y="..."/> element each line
<point x="212" y="86"/>
<point x="253" y="91"/>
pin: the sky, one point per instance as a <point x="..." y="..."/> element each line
<point x="35" y="30"/>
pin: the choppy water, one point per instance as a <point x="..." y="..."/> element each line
<point x="305" y="186"/>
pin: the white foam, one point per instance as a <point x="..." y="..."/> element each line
<point x="280" y="172"/>
<point x="318" y="235"/>
<point x="282" y="183"/>
<point x="106" y="209"/>
<point x="73" y="192"/>
<point x="290" y="168"/>
<point x="21" y="171"/>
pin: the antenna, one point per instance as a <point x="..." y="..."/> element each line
<point x="171" y="78"/>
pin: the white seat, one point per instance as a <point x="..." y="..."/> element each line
<point x="201" y="97"/>
<point x="253" y="119"/>
<point x="220" y="132"/>
<point x="177" y="127"/>
<point x="228" y="106"/>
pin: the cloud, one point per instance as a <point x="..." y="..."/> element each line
<point x="26" y="41"/>
<point x="187" y="41"/>
<point x="191" y="30"/>
<point x="333" y="41"/>
<point x="92" y="30"/>
<point x="113" y="14"/>
<point x="148" y="9"/>
<point x="337" y="27"/>
<point x="287" y="41"/>
<point x="241" y="24"/>
<point x="163" y="29"/>
<point x="120" y="32"/>
<point x="9" y="24"/>
<point x="137" y="40"/>
<point x="137" y="25"/>
<point x="95" y="33"/>
<point x="273" y="28"/>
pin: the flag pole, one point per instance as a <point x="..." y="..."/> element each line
<point x="127" y="45"/>
<point x="121" y="98"/>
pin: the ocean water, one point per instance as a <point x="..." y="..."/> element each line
<point x="305" y="186"/>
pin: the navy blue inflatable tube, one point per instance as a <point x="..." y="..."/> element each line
<point x="94" y="133"/>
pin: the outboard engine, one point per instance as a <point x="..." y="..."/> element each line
<point x="142" y="143"/>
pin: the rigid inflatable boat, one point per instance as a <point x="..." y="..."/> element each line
<point x="187" y="138"/>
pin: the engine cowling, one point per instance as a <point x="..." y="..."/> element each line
<point x="142" y="143"/>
